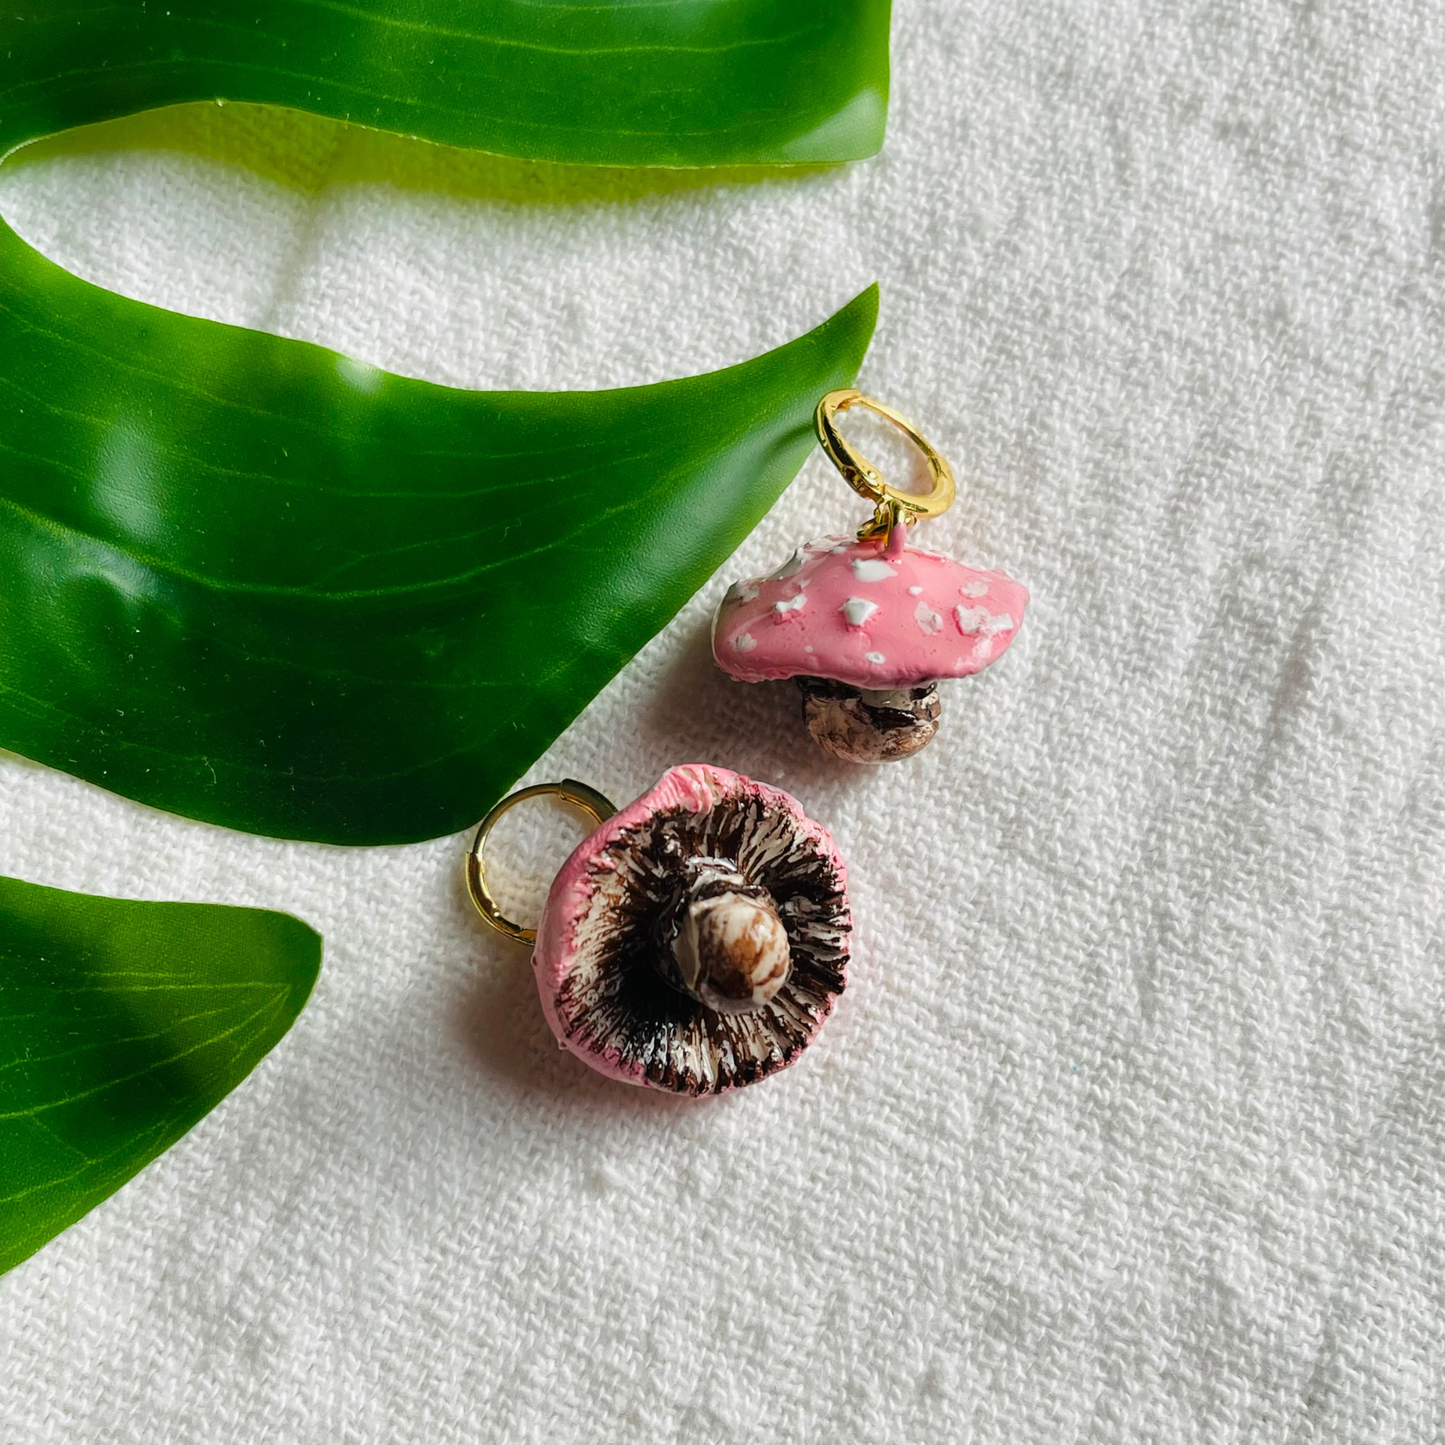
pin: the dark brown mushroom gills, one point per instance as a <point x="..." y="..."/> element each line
<point x="624" y="998"/>
<point x="869" y="726"/>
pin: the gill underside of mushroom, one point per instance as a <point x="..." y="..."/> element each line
<point x="625" y="995"/>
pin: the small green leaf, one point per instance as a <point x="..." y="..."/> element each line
<point x="251" y="581"/>
<point x="121" y="1026"/>
<point x="662" y="83"/>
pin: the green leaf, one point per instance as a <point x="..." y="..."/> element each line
<point x="121" y="1026"/>
<point x="254" y="582"/>
<point x="248" y="580"/>
<point x="645" y="83"/>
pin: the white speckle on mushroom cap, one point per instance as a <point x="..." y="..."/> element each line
<point x="732" y="952"/>
<point x="915" y="591"/>
<point x="875" y="657"/>
<point x="791" y="604"/>
<point x="872" y="569"/>
<point x="745" y="642"/>
<point x="974" y="589"/>
<point x="858" y="610"/>
<point x="973" y="620"/>
<point x="927" y="619"/>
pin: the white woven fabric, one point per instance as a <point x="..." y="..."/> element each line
<point x="1130" y="1127"/>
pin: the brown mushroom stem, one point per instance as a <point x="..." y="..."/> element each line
<point x="721" y="939"/>
<point x="869" y="727"/>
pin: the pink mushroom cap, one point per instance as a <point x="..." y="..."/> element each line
<point x="870" y="615"/>
<point x="603" y="997"/>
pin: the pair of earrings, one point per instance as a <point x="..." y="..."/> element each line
<point x="697" y="940"/>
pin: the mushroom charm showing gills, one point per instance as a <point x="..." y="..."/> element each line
<point x="697" y="940"/>
<point x="867" y="629"/>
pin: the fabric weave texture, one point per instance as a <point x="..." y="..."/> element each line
<point x="1131" y="1125"/>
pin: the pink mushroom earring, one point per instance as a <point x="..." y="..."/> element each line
<point x="695" y="941"/>
<point x="868" y="626"/>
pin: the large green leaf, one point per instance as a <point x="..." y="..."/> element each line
<point x="251" y="581"/>
<point x="121" y="1026"/>
<point x="633" y="83"/>
<point x="247" y="580"/>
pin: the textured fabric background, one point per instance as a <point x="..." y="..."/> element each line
<point x="1132" y="1126"/>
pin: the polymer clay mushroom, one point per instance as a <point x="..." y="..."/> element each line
<point x="696" y="941"/>
<point x="868" y="626"/>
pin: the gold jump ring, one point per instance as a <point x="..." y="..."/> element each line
<point x="891" y="505"/>
<point x="588" y="800"/>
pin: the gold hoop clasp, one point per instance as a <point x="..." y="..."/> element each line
<point x="891" y="505"/>
<point x="588" y="800"/>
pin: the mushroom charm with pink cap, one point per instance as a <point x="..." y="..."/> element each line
<point x="696" y="940"/>
<point x="868" y="626"/>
